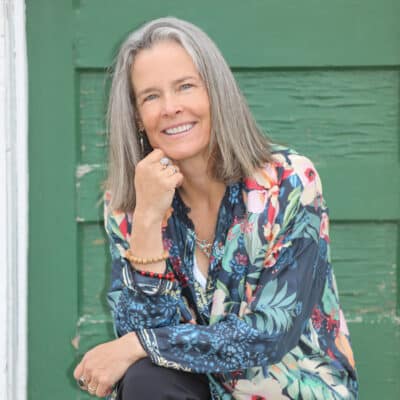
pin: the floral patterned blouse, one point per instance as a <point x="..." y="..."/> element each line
<point x="268" y="324"/>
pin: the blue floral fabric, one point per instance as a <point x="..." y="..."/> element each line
<point x="269" y="324"/>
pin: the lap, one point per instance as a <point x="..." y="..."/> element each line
<point x="146" y="380"/>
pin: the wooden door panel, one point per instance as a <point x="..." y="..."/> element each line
<point x="254" y="33"/>
<point x="323" y="78"/>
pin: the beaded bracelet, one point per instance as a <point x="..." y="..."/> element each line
<point x="168" y="276"/>
<point x="143" y="261"/>
<point x="136" y="260"/>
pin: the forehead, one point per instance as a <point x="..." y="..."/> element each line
<point x="165" y="61"/>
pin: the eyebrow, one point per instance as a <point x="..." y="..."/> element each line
<point x="175" y="82"/>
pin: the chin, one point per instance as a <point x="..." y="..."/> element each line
<point x="178" y="156"/>
<point x="185" y="154"/>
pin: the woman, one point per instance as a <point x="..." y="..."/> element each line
<point x="221" y="282"/>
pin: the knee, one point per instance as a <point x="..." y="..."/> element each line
<point x="139" y="382"/>
<point x="144" y="380"/>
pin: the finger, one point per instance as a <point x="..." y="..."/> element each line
<point x="177" y="179"/>
<point x="92" y="387"/>
<point x="78" y="371"/>
<point x="170" y="170"/>
<point x="86" y="377"/>
<point x="171" y="182"/>
<point x="155" y="156"/>
<point x="103" y="390"/>
<point x="81" y="377"/>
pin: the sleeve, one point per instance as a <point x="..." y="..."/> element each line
<point x="287" y="283"/>
<point x="137" y="301"/>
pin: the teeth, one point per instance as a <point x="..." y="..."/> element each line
<point x="179" y="129"/>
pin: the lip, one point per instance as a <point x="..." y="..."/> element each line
<point x="180" y="124"/>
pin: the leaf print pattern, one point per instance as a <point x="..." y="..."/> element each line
<point x="280" y="306"/>
<point x="269" y="324"/>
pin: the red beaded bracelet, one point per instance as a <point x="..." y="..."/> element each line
<point x="169" y="275"/>
<point x="137" y="260"/>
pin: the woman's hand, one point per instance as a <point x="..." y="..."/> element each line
<point x="105" y="364"/>
<point x="155" y="185"/>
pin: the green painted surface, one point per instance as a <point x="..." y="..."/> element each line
<point x="349" y="113"/>
<point x="345" y="119"/>
<point x="254" y="33"/>
<point x="378" y="361"/>
<point x="364" y="258"/>
<point x="95" y="270"/>
<point x="52" y="301"/>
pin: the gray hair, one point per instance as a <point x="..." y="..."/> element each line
<point x="237" y="146"/>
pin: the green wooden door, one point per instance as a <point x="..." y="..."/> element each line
<point x="322" y="77"/>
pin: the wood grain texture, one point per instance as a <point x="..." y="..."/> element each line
<point x="353" y="190"/>
<point x="94" y="271"/>
<point x="364" y="260"/>
<point x="346" y="121"/>
<point x="364" y="257"/>
<point x="329" y="114"/>
<point x="93" y="95"/>
<point x="376" y="349"/>
<point x="255" y="33"/>
<point x="351" y="114"/>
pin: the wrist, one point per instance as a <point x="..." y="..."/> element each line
<point x="135" y="350"/>
<point x="146" y="218"/>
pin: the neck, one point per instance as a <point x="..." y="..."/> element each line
<point x="198" y="188"/>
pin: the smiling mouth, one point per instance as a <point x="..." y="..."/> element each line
<point x="179" y="129"/>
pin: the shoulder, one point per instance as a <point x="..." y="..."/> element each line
<point x="289" y="175"/>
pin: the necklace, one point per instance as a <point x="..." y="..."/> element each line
<point x="205" y="246"/>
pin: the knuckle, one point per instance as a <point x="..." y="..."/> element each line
<point x="77" y="371"/>
<point x="178" y="177"/>
<point x="103" y="392"/>
<point x="166" y="185"/>
<point x="102" y="380"/>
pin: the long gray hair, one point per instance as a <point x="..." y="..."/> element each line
<point x="237" y="146"/>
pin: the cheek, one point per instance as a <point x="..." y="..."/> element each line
<point x="149" y="114"/>
<point x="207" y="111"/>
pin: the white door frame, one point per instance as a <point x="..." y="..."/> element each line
<point x="13" y="200"/>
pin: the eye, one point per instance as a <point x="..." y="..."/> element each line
<point x="150" y="97"/>
<point x="186" y="86"/>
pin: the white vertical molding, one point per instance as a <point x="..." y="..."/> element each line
<point x="3" y="230"/>
<point x="13" y="200"/>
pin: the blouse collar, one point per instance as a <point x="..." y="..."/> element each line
<point x="232" y="204"/>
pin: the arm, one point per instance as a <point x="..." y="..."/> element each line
<point x="286" y="288"/>
<point x="137" y="301"/>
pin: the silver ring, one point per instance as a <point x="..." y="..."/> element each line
<point x="165" y="161"/>
<point x="82" y="382"/>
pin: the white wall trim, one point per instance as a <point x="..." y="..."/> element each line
<point x="13" y="200"/>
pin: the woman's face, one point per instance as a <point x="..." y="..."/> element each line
<point x="172" y="101"/>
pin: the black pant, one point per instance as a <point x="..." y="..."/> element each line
<point x="147" y="381"/>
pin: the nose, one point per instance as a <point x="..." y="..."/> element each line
<point x="171" y="105"/>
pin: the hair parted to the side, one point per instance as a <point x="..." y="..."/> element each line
<point x="237" y="146"/>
